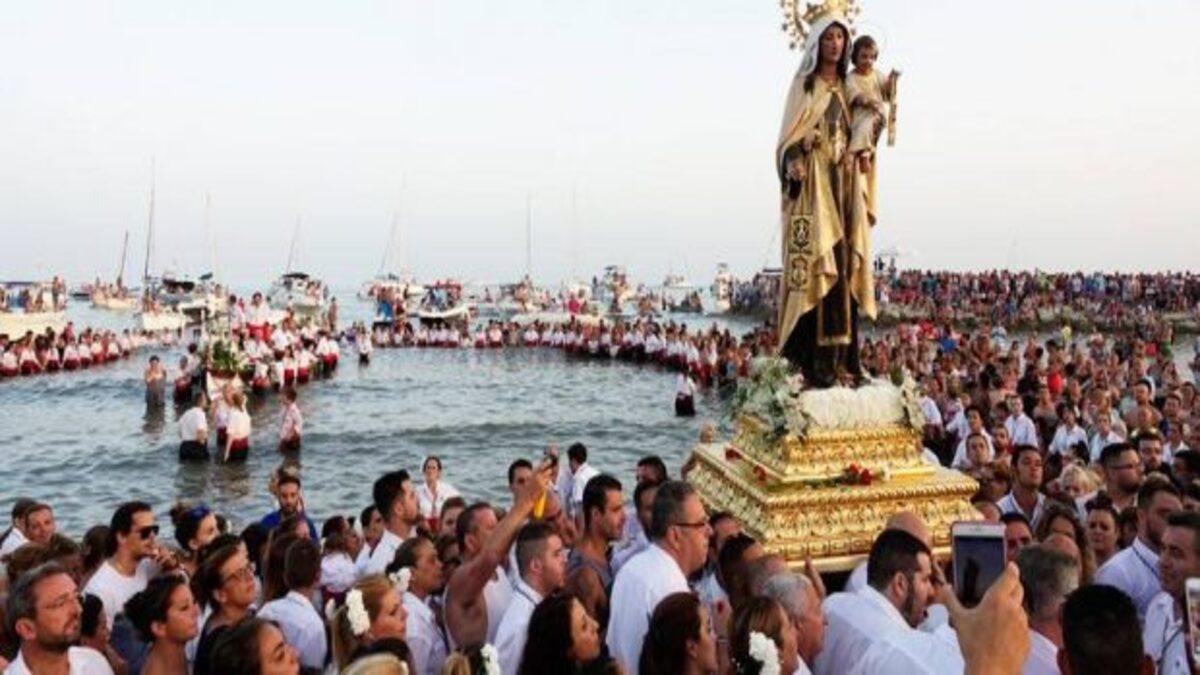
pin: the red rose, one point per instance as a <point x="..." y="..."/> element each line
<point x="760" y="474"/>
<point x="865" y="477"/>
<point x="732" y="455"/>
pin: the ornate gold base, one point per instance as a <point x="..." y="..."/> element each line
<point x="835" y="524"/>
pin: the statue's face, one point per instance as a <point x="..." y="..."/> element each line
<point x="833" y="43"/>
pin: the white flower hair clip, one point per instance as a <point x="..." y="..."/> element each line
<point x="763" y="650"/>
<point x="400" y="579"/>
<point x="356" y="612"/>
<point x="330" y="609"/>
<point x="491" y="659"/>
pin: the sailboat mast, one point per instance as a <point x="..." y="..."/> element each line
<point x="292" y="248"/>
<point x="121" y="269"/>
<point x="528" y="237"/>
<point x="387" y="251"/>
<point x="149" y="228"/>
<point x="212" y="237"/>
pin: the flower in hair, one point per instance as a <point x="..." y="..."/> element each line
<point x="330" y="609"/>
<point x="356" y="612"/>
<point x="763" y="650"/>
<point x="400" y="579"/>
<point x="491" y="660"/>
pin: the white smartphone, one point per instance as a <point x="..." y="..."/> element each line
<point x="1192" y="616"/>
<point x="978" y="554"/>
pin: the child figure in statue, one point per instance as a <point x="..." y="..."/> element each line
<point x="868" y="93"/>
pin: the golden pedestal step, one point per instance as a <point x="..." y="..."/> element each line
<point x="792" y="494"/>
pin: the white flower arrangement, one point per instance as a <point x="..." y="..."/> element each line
<point x="763" y="650"/>
<point x="356" y="612"/>
<point x="400" y="579"/>
<point x="491" y="660"/>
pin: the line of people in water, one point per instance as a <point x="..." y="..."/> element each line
<point x="52" y="352"/>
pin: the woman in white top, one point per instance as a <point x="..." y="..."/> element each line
<point x="434" y="491"/>
<point x="237" y="445"/>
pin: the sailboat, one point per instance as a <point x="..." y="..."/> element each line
<point x="116" y="297"/>
<point x="155" y="316"/>
<point x="296" y="291"/>
<point x="389" y="282"/>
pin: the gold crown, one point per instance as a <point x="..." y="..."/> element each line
<point x="800" y="15"/>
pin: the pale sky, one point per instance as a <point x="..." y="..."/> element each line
<point x="1060" y="134"/>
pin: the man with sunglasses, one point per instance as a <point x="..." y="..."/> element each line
<point x="45" y="613"/>
<point x="679" y="534"/>
<point x="134" y="557"/>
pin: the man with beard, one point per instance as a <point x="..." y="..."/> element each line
<point x="1164" y="631"/>
<point x="878" y="624"/>
<point x="44" y="612"/>
<point x="396" y="499"/>
<point x="1135" y="569"/>
<point x="291" y="503"/>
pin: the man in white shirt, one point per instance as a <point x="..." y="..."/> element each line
<point x="15" y="537"/>
<point x="1135" y="569"/>
<point x="679" y="534"/>
<point x="1026" y="497"/>
<point x="542" y="563"/>
<point x="1164" y="633"/>
<point x="422" y="631"/>
<point x="1068" y="433"/>
<point x="45" y="614"/>
<point x="1048" y="577"/>
<point x="581" y="473"/>
<point x="298" y="619"/>
<point x="396" y="500"/>
<point x="1021" y="429"/>
<point x="643" y="500"/>
<point x="880" y="620"/>
<point x="974" y="426"/>
<point x="802" y="604"/>
<point x="1104" y="436"/>
<point x="193" y="430"/>
<point x="131" y="564"/>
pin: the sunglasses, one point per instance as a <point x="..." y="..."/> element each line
<point x="148" y="531"/>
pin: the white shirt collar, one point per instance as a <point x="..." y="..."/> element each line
<point x="884" y="605"/>
<point x="527" y="592"/>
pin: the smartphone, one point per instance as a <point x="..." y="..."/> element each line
<point x="1192" y="615"/>
<point x="978" y="553"/>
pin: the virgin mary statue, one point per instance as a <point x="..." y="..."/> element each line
<point x="827" y="278"/>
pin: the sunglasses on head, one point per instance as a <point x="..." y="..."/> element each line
<point x="199" y="511"/>
<point x="148" y="531"/>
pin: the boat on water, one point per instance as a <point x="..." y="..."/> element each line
<point x="299" y="293"/>
<point x="390" y="284"/>
<point x="30" y="307"/>
<point x="444" y="303"/>
<point x="115" y="297"/>
<point x="721" y="290"/>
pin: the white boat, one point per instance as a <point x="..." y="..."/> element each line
<point x="400" y="284"/>
<point x="115" y="297"/>
<point x="114" y="303"/>
<point x="159" y="320"/>
<point x="299" y="293"/>
<point x="721" y="290"/>
<point x="457" y="313"/>
<point x="18" y="297"/>
<point x="556" y="318"/>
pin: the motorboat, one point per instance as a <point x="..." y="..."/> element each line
<point x="299" y="293"/>
<point x="444" y="303"/>
<point x="30" y="307"/>
<point x="722" y="290"/>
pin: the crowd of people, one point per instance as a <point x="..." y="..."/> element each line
<point x="68" y="350"/>
<point x="1033" y="299"/>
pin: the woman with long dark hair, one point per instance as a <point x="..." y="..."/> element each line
<point x="680" y="639"/>
<point x="566" y="638"/>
